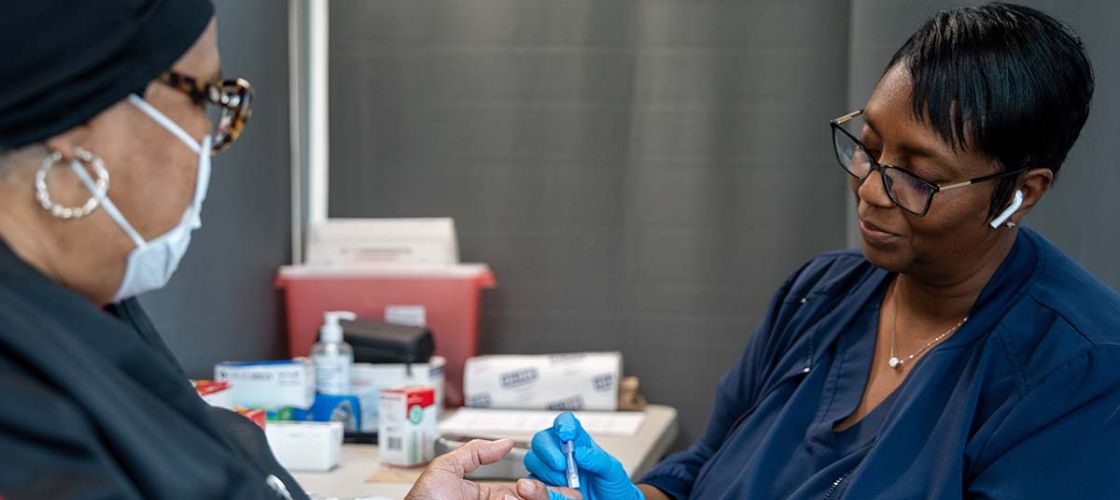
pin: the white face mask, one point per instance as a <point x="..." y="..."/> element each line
<point x="151" y="264"/>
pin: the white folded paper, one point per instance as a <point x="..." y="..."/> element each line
<point x="515" y="423"/>
<point x="349" y="243"/>
<point x="578" y="381"/>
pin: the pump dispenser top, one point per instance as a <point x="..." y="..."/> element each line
<point x="331" y="331"/>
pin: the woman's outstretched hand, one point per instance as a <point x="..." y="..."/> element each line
<point x="443" y="478"/>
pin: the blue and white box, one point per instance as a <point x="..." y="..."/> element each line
<point x="269" y="384"/>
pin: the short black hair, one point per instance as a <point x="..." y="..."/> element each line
<point x="1008" y="81"/>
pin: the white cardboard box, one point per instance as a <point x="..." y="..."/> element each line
<point x="406" y="434"/>
<point x="305" y="446"/>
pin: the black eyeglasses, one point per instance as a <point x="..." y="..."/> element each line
<point x="233" y="98"/>
<point x="905" y="188"/>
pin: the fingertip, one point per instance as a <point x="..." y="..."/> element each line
<point x="491" y="451"/>
<point x="566" y="417"/>
<point x="500" y="447"/>
<point x="497" y="443"/>
<point x="526" y="487"/>
<point x="567" y="426"/>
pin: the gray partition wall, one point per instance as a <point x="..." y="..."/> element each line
<point x="641" y="175"/>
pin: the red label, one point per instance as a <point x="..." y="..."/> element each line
<point x="257" y="415"/>
<point x="205" y="387"/>
<point x="422" y="396"/>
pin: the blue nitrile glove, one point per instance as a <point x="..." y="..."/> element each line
<point x="601" y="476"/>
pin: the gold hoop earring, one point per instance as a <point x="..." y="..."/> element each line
<point x="42" y="193"/>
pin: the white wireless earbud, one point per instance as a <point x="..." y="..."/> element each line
<point x="1010" y="210"/>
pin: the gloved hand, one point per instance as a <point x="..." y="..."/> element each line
<point x="601" y="476"/>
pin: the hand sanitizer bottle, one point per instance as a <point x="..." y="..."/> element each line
<point x="333" y="357"/>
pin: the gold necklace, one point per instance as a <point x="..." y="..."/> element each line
<point x="894" y="361"/>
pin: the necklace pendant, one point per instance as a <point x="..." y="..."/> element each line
<point x="894" y="362"/>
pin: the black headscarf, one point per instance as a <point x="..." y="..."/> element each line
<point x="64" y="61"/>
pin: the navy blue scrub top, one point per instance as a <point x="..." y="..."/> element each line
<point x="1022" y="402"/>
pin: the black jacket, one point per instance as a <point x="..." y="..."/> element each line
<point x="93" y="405"/>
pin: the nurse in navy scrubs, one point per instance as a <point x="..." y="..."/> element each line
<point x="958" y="354"/>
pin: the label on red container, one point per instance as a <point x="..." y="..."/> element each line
<point x="407" y="315"/>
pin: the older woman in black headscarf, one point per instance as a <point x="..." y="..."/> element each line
<point x="105" y="146"/>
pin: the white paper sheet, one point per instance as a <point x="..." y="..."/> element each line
<point x="348" y="243"/>
<point x="471" y="421"/>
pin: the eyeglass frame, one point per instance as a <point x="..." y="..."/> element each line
<point x="238" y="101"/>
<point x="837" y="124"/>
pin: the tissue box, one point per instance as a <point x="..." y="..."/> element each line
<point x="270" y="384"/>
<point x="578" y="381"/>
<point x="367" y="381"/>
<point x="305" y="446"/>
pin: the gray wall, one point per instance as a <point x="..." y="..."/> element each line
<point x="641" y="175"/>
<point x="221" y="304"/>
